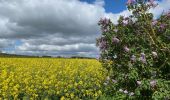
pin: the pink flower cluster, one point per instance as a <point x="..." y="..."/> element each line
<point x="152" y="83"/>
<point x="104" y="24"/>
<point x="142" y="58"/>
<point x="129" y="2"/>
<point x="126" y="92"/>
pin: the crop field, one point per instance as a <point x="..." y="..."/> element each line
<point x="50" y="78"/>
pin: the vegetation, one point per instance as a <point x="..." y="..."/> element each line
<point x="135" y="64"/>
<point x="50" y="78"/>
<point x="136" y="52"/>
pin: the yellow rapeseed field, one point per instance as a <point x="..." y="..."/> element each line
<point x="50" y="78"/>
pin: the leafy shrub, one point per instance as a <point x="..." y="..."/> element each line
<point x="136" y="52"/>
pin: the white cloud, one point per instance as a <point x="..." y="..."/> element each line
<point x="4" y="43"/>
<point x="115" y="17"/>
<point x="99" y="2"/>
<point x="163" y="6"/>
<point x="54" y="27"/>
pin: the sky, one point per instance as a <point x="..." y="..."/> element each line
<point x="58" y="27"/>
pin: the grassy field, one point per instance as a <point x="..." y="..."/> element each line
<point x="50" y="78"/>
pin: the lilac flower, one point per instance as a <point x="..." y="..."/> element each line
<point x="120" y="90"/>
<point x="168" y="14"/>
<point x="131" y="94"/>
<point x="125" y="22"/>
<point x="103" y="45"/>
<point x="126" y="49"/>
<point x="105" y="27"/>
<point x="115" y="40"/>
<point x="162" y="26"/>
<point x="126" y="18"/>
<point x="104" y="22"/>
<point x="142" y="58"/>
<point x="104" y="30"/>
<point x="154" y="22"/>
<point x="154" y="54"/>
<point x="151" y="1"/>
<point x="126" y="92"/>
<point x="139" y="82"/>
<point x="97" y="58"/>
<point x="153" y="83"/>
<point x="143" y="54"/>
<point x="129" y="2"/>
<point x="133" y="58"/>
<point x="114" y="81"/>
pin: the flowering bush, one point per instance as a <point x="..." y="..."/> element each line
<point x="136" y="52"/>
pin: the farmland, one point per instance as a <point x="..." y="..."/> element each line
<point x="50" y="78"/>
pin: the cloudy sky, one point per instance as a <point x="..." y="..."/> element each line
<point x="57" y="27"/>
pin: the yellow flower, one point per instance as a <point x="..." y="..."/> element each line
<point x="62" y="98"/>
<point x="33" y="76"/>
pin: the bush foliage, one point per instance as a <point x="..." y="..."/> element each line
<point x="136" y="52"/>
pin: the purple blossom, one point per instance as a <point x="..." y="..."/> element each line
<point x="129" y="2"/>
<point x="125" y="22"/>
<point x="139" y="82"/>
<point x="152" y="3"/>
<point x="133" y="58"/>
<point x="142" y="58"/>
<point x="104" y="21"/>
<point x="115" y="40"/>
<point x="143" y="54"/>
<point x="153" y="83"/>
<point x="97" y="58"/>
<point x="114" y="81"/>
<point x="162" y="26"/>
<point x="126" y="18"/>
<point x="126" y="92"/>
<point x="104" y="30"/>
<point x="154" y="54"/>
<point x="168" y="14"/>
<point x="102" y="43"/>
<point x="154" y="22"/>
<point x="126" y="49"/>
